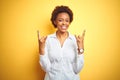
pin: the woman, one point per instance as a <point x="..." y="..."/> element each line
<point x="61" y="53"/>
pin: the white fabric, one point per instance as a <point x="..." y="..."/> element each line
<point x="61" y="63"/>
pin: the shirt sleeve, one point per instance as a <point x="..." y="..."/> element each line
<point x="78" y="64"/>
<point x="44" y="60"/>
<point x="78" y="61"/>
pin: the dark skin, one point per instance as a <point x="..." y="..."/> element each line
<point x="62" y="22"/>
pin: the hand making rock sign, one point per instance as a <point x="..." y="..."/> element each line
<point x="41" y="41"/>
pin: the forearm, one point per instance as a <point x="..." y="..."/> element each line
<point x="45" y="63"/>
<point x="78" y="64"/>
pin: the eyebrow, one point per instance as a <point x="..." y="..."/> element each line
<point x="66" y="18"/>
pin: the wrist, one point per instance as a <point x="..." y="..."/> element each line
<point x="81" y="46"/>
<point x="80" y="50"/>
<point x="42" y="52"/>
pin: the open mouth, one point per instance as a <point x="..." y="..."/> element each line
<point x="63" y="27"/>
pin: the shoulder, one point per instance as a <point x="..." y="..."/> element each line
<point x="51" y="35"/>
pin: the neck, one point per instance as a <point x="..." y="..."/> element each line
<point x="62" y="34"/>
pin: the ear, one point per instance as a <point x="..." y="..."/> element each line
<point x="54" y="22"/>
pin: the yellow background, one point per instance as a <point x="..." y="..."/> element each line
<point x="20" y="20"/>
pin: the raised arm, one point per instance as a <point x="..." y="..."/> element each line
<point x="79" y="61"/>
<point x="41" y="41"/>
<point x="43" y="51"/>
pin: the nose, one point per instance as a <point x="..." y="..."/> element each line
<point x="64" y="23"/>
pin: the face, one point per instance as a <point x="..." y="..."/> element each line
<point x="62" y="22"/>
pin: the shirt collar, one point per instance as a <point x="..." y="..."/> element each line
<point x="54" y="35"/>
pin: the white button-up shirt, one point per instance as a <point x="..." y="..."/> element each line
<point x="61" y="63"/>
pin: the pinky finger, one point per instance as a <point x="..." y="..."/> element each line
<point x="83" y="33"/>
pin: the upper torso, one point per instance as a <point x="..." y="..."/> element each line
<point x="62" y="59"/>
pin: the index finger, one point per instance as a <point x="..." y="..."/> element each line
<point x="38" y="34"/>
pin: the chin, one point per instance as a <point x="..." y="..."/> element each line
<point x="63" y="31"/>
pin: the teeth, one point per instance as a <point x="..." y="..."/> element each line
<point x="64" y="27"/>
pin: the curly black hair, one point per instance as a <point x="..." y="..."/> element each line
<point x="60" y="9"/>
